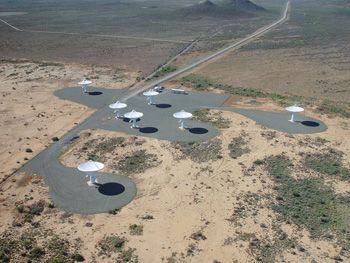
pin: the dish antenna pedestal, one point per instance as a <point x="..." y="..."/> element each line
<point x="150" y="94"/>
<point x="294" y="109"/>
<point x="182" y="116"/>
<point x="91" y="167"/>
<point x="133" y="116"/>
<point x="117" y="107"/>
<point x="84" y="85"/>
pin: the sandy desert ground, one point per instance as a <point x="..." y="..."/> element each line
<point x="314" y="73"/>
<point x="249" y="195"/>
<point x="203" y="202"/>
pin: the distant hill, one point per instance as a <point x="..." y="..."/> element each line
<point x="221" y="8"/>
<point x="203" y="7"/>
<point x="240" y="5"/>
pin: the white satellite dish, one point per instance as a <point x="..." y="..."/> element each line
<point x="150" y="94"/>
<point x="182" y="116"/>
<point x="91" y="167"/>
<point x="117" y="107"/>
<point x="84" y="85"/>
<point x="133" y="116"/>
<point x="294" y="109"/>
<point x="158" y="88"/>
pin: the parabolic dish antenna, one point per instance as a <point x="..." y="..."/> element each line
<point x="150" y="94"/>
<point x="294" y="109"/>
<point x="182" y="116"/>
<point x="84" y="85"/>
<point x="158" y="88"/>
<point x="117" y="107"/>
<point x="133" y="116"/>
<point x="90" y="167"/>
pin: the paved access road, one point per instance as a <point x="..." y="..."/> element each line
<point x="234" y="46"/>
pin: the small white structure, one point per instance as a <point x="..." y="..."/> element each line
<point x="133" y="116"/>
<point x="182" y="116"/>
<point x="84" y="85"/>
<point x="117" y="107"/>
<point x="91" y="167"/>
<point x="150" y="94"/>
<point x="294" y="109"/>
<point x="179" y="91"/>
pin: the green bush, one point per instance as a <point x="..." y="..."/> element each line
<point x="111" y="244"/>
<point x="309" y="202"/>
<point x="79" y="258"/>
<point x="200" y="151"/>
<point x="36" y="252"/>
<point x="128" y="255"/>
<point x="137" y="162"/>
<point x="164" y="71"/>
<point x="335" y="108"/>
<point x="328" y="164"/>
<point x="201" y="83"/>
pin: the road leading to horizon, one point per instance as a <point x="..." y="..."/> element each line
<point x="234" y="46"/>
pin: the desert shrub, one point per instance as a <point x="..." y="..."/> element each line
<point x="23" y="247"/>
<point x="198" y="236"/>
<point x="197" y="81"/>
<point x="172" y="258"/>
<point x="328" y="164"/>
<point x="28" y="212"/>
<point x="258" y="162"/>
<point x="309" y="202"/>
<point x="77" y="257"/>
<point x="109" y="145"/>
<point x="147" y="217"/>
<point x="5" y="251"/>
<point x="164" y="71"/>
<point x="36" y="253"/>
<point x="114" y="211"/>
<point x="137" y="162"/>
<point x="266" y="251"/>
<point x="136" y="230"/>
<point x="238" y="147"/>
<point x="116" y="245"/>
<point x="191" y="250"/>
<point x="37" y="208"/>
<point x="278" y="167"/>
<point x="97" y="148"/>
<point x="59" y="248"/>
<point x="335" y="108"/>
<point x="20" y="208"/>
<point x="111" y="244"/>
<point x="128" y="255"/>
<point x="200" y="151"/>
<point x="216" y="119"/>
<point x="284" y="100"/>
<point x="201" y="83"/>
